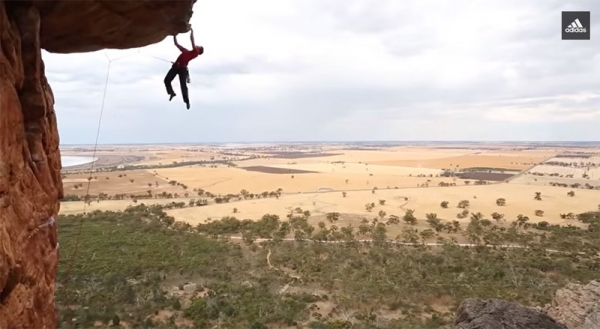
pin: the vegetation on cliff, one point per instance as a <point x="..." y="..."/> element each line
<point x="133" y="267"/>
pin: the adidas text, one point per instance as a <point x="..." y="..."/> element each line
<point x="575" y="30"/>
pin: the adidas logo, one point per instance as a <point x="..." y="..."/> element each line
<point x="575" y="27"/>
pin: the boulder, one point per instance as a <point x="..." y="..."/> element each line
<point x="577" y="306"/>
<point x="477" y="313"/>
<point x="190" y="287"/>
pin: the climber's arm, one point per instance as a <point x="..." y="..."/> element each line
<point x="192" y="38"/>
<point x="177" y="44"/>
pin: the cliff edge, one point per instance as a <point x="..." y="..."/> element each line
<point x="30" y="181"/>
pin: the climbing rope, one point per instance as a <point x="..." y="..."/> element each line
<point x="160" y="59"/>
<point x="50" y="221"/>
<point x="73" y="256"/>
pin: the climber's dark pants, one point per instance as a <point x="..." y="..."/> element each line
<point x="183" y="74"/>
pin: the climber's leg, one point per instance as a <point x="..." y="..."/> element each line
<point x="183" y="74"/>
<point x="168" y="79"/>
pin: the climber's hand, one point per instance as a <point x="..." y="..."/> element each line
<point x="184" y="27"/>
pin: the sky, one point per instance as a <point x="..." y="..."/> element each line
<point x="345" y="70"/>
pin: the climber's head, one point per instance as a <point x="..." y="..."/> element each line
<point x="199" y="49"/>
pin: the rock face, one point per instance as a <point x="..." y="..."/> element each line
<point x="577" y="306"/>
<point x="500" y="314"/>
<point x="30" y="181"/>
<point x="80" y="26"/>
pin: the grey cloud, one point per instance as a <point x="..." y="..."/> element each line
<point x="364" y="16"/>
<point x="329" y="107"/>
<point x="411" y="41"/>
<point x="128" y="70"/>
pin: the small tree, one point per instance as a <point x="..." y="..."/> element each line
<point x="464" y="204"/>
<point x="344" y="194"/>
<point x="501" y="202"/>
<point x="248" y="237"/>
<point x="131" y="180"/>
<point x="393" y="219"/>
<point x="369" y="206"/>
<point x="538" y="196"/>
<point x="463" y="214"/>
<point x="427" y="234"/>
<point x="177" y="304"/>
<point x="476" y="216"/>
<point x="521" y="220"/>
<point x="116" y="320"/>
<point x="497" y="216"/>
<point x="409" y="217"/>
<point x="539" y="213"/>
<point x="434" y="222"/>
<point x="235" y="210"/>
<point x="382" y="214"/>
<point x="333" y="216"/>
<point x="571" y="194"/>
<point x="444" y="204"/>
<point x="381" y="202"/>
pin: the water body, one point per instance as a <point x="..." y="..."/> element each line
<point x="70" y="161"/>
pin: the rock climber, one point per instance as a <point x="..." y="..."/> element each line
<point x="180" y="68"/>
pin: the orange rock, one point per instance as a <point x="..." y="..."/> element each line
<point x="30" y="182"/>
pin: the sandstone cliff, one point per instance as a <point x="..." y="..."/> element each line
<point x="30" y="182"/>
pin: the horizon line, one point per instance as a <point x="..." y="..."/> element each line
<point x="346" y="142"/>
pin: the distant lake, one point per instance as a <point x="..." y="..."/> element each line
<point x="70" y="161"/>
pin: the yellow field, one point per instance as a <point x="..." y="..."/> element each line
<point x="356" y="172"/>
<point x="423" y="200"/>
<point x="352" y="207"/>
<point x="77" y="207"/>
<point x="111" y="184"/>
<point x="232" y="180"/>
<point x="469" y="161"/>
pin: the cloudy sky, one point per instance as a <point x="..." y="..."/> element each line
<point x="333" y="70"/>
